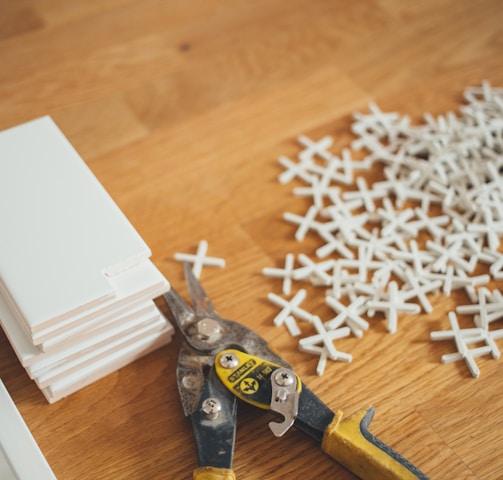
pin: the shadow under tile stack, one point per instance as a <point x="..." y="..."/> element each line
<point x="76" y="281"/>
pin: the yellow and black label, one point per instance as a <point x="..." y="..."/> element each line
<point x="250" y="379"/>
<point x="242" y="370"/>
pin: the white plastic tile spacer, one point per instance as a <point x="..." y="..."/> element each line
<point x="315" y="272"/>
<point x="325" y="337"/>
<point x="495" y="260"/>
<point x="482" y="309"/>
<point x="393" y="306"/>
<point x="420" y="291"/>
<point x="324" y="355"/>
<point x="396" y="221"/>
<point x="452" y="253"/>
<point x="305" y="223"/>
<point x="333" y="244"/>
<point x="463" y="337"/>
<point x="431" y="224"/>
<point x="365" y="194"/>
<point x="350" y="315"/>
<point x="285" y="273"/>
<point x="474" y="282"/>
<point x="318" y="190"/>
<point x="313" y="149"/>
<point x="414" y="256"/>
<point x="491" y="228"/>
<point x="200" y="259"/>
<point x="292" y="326"/>
<point x="319" y="351"/>
<point x="294" y="170"/>
<point x="321" y="345"/>
<point x="451" y="280"/>
<point x="290" y="307"/>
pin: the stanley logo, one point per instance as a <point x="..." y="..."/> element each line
<point x="241" y="370"/>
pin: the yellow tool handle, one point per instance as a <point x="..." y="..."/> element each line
<point x="348" y="441"/>
<point x="212" y="473"/>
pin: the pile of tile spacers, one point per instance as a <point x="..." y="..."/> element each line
<point x="426" y="227"/>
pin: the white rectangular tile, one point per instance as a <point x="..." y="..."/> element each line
<point x="68" y="368"/>
<point x="147" y="283"/>
<point x="62" y="234"/>
<point x="106" y="366"/>
<point x="137" y="283"/>
<point x="96" y="338"/>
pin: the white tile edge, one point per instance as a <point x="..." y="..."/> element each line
<point x="20" y="448"/>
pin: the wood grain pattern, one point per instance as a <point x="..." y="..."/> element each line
<point x="181" y="110"/>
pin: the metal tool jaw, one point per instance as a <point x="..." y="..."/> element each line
<point x="205" y="399"/>
<point x="205" y="335"/>
<point x="221" y="361"/>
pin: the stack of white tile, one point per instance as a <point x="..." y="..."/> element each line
<point x="76" y="282"/>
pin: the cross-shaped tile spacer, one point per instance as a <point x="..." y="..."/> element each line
<point x="431" y="224"/>
<point x="316" y="272"/>
<point x="491" y="228"/>
<point x="474" y="282"/>
<point x="285" y="273"/>
<point x="420" y="291"/>
<point x="350" y="315"/>
<point x="396" y="221"/>
<point x="317" y="190"/>
<point x="290" y="307"/>
<point x="327" y="349"/>
<point x="365" y="194"/>
<point x="313" y="149"/>
<point x="482" y="309"/>
<point x="417" y="258"/>
<point x="323" y="354"/>
<point x="451" y="253"/>
<point x="305" y="223"/>
<point x="462" y="338"/>
<point x="450" y="279"/>
<point x="200" y="259"/>
<point x="293" y="170"/>
<point x="393" y="306"/>
<point x="325" y="337"/>
<point x="333" y="245"/>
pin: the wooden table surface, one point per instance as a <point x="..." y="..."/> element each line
<point x="181" y="109"/>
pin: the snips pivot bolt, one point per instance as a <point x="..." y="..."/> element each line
<point x="208" y="329"/>
<point x="211" y="407"/>
<point x="283" y="378"/>
<point x="229" y="360"/>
